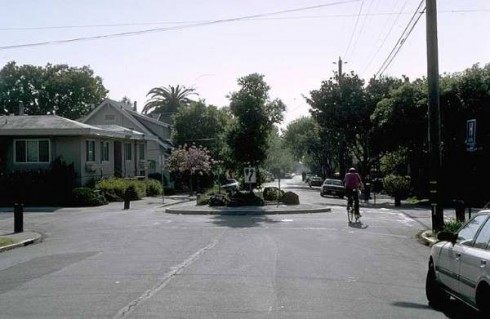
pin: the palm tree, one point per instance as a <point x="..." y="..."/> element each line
<point x="166" y="101"/>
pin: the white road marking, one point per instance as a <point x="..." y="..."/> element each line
<point x="163" y="282"/>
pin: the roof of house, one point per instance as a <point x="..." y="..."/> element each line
<point x="139" y="120"/>
<point x="53" y="125"/>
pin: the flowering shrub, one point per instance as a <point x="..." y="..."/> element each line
<point x="190" y="159"/>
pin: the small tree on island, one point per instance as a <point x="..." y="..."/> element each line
<point x="397" y="187"/>
<point x="190" y="160"/>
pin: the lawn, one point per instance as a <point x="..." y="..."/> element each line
<point x="6" y="241"/>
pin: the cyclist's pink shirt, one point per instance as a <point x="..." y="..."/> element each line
<point x="352" y="180"/>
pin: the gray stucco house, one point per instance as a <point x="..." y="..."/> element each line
<point x="157" y="133"/>
<point x="32" y="142"/>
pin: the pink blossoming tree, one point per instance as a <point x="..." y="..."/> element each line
<point x="190" y="160"/>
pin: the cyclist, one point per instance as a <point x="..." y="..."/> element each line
<point x="352" y="185"/>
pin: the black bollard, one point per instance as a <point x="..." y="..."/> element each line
<point x="459" y="208"/>
<point x="18" y="218"/>
<point x="126" y="199"/>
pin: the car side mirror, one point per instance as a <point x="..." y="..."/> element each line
<point x="447" y="236"/>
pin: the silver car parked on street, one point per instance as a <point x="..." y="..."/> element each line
<point x="459" y="265"/>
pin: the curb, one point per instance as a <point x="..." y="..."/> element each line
<point x="244" y="211"/>
<point x="36" y="238"/>
<point x="427" y="238"/>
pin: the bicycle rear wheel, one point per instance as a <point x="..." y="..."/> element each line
<point x="350" y="214"/>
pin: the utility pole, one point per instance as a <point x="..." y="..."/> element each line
<point x="434" y="116"/>
<point x="342" y="142"/>
<point x="340" y="70"/>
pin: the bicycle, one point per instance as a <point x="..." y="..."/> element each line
<point x="350" y="213"/>
<point x="351" y="210"/>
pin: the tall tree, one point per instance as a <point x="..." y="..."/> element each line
<point x="55" y="89"/>
<point x="166" y="100"/>
<point x="203" y="125"/>
<point x="254" y="118"/>
<point x="341" y="112"/>
<point x="316" y="151"/>
<point x="401" y="131"/>
<point x="279" y="158"/>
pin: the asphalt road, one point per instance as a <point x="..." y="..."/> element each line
<point x="143" y="263"/>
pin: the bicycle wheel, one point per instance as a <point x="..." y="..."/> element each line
<point x="350" y="214"/>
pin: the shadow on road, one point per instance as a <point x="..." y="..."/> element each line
<point x="358" y="225"/>
<point x="242" y="221"/>
<point x="453" y="310"/>
<point x="412" y="305"/>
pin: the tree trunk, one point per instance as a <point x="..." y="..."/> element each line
<point x="190" y="185"/>
<point x="398" y="201"/>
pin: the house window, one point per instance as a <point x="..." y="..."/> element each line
<point x="32" y="151"/>
<point x="128" y="151"/>
<point x="104" y="151"/>
<point x="90" y="151"/>
<point x="142" y="151"/>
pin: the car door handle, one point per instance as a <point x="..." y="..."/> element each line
<point x="458" y="256"/>
<point x="483" y="263"/>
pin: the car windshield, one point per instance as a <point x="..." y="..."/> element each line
<point x="468" y="233"/>
<point x="334" y="182"/>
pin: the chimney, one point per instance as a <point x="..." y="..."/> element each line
<point x="21" y="108"/>
<point x="134" y="107"/>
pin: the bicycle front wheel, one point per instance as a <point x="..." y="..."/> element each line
<point x="350" y="214"/>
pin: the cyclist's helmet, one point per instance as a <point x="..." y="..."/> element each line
<point x="352" y="170"/>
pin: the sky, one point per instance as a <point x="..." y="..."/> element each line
<point x="136" y="45"/>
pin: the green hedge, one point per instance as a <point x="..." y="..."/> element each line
<point x="272" y="194"/>
<point x="290" y="198"/>
<point x="153" y="187"/>
<point x="115" y="189"/>
<point x="84" y="196"/>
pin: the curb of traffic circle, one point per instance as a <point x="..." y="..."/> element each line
<point x="176" y="211"/>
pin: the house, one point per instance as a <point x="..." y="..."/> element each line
<point x="29" y="142"/>
<point x="110" y="112"/>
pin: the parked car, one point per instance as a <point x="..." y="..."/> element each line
<point x="459" y="265"/>
<point x="334" y="187"/>
<point x="315" y="181"/>
<point x="231" y="185"/>
<point x="288" y="175"/>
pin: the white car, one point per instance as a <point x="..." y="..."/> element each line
<point x="459" y="265"/>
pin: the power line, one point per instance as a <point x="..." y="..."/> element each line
<point x="361" y="30"/>
<point x="354" y="31"/>
<point x="187" y="26"/>
<point x="387" y="35"/>
<point x="82" y="26"/>
<point x="401" y="40"/>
